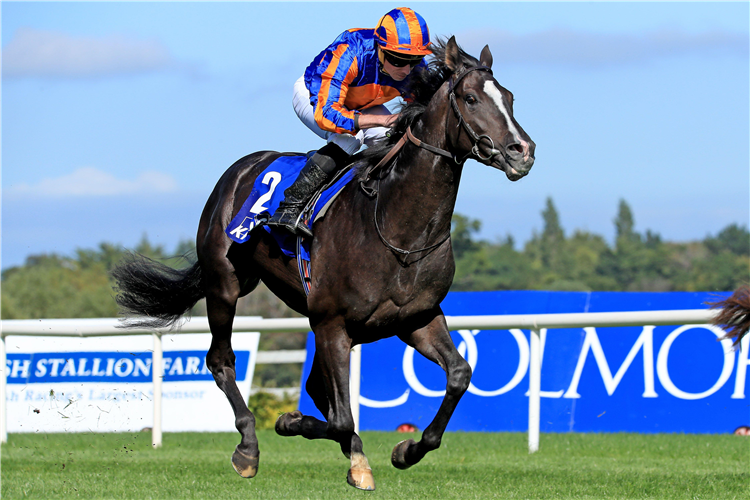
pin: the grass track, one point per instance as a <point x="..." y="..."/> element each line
<point x="468" y="465"/>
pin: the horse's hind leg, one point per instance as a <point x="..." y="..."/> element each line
<point x="434" y="342"/>
<point x="222" y="292"/>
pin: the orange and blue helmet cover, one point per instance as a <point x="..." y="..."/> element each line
<point x="403" y="31"/>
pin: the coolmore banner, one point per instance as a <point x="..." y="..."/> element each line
<point x="104" y="384"/>
<point x="628" y="379"/>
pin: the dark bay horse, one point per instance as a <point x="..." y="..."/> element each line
<point x="381" y="262"/>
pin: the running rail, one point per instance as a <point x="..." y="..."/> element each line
<point x="97" y="327"/>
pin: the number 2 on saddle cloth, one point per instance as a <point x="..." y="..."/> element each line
<point x="264" y="199"/>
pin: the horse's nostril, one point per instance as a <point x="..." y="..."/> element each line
<point x="516" y="148"/>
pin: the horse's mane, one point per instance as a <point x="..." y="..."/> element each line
<point x="422" y="87"/>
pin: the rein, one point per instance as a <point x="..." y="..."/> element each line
<point x="409" y="136"/>
<point x="393" y="248"/>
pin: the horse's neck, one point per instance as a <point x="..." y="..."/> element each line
<point x="418" y="200"/>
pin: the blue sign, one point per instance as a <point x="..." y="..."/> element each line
<point x="626" y="379"/>
<point x="133" y="367"/>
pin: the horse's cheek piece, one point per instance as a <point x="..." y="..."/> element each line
<point x="475" y="151"/>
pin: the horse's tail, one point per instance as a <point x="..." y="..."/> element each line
<point x="157" y="293"/>
<point x="734" y="315"/>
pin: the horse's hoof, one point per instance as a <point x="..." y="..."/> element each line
<point x="361" y="478"/>
<point x="285" y="422"/>
<point x="245" y="466"/>
<point x="398" y="456"/>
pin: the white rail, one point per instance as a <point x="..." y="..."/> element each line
<point x="102" y="327"/>
<point x="533" y="322"/>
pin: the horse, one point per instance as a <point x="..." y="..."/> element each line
<point x="733" y="314"/>
<point x="381" y="259"/>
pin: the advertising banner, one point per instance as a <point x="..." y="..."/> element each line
<point x="104" y="384"/>
<point x="628" y="379"/>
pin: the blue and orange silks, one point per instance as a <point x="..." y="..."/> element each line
<point x="345" y="78"/>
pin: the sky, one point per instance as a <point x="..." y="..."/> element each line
<point x="118" y="118"/>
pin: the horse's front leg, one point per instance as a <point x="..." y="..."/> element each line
<point x="221" y="300"/>
<point x="295" y="423"/>
<point x="332" y="350"/>
<point x="434" y="342"/>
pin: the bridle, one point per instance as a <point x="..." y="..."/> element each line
<point x="409" y="136"/>
<point x="477" y="139"/>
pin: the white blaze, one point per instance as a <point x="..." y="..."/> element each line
<point x="497" y="97"/>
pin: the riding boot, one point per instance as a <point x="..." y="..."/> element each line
<point x="314" y="174"/>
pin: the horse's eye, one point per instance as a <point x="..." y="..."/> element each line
<point x="470" y="99"/>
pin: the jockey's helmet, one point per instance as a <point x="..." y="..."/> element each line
<point x="403" y="31"/>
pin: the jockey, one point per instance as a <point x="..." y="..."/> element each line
<point x="340" y="98"/>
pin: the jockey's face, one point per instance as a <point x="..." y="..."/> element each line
<point x="398" y="73"/>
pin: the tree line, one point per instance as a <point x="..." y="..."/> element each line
<point x="584" y="261"/>
<point x="78" y="285"/>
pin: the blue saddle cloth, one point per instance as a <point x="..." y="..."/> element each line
<point x="264" y="200"/>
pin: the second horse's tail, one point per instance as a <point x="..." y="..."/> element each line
<point x="158" y="294"/>
<point x="734" y="314"/>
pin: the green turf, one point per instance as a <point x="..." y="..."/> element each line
<point x="468" y="465"/>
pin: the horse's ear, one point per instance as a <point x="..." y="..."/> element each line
<point x="452" y="55"/>
<point x="485" y="58"/>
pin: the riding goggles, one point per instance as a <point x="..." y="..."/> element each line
<point x="400" y="61"/>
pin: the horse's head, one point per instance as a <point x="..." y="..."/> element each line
<point x="483" y="126"/>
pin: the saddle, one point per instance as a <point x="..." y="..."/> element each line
<point x="268" y="193"/>
<point x="264" y="200"/>
<point x="373" y="174"/>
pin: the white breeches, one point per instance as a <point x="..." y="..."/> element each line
<point x="349" y="143"/>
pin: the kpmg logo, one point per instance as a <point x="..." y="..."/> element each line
<point x="131" y="367"/>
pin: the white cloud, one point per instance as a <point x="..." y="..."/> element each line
<point x="89" y="181"/>
<point x="38" y="53"/>
<point x="575" y="48"/>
